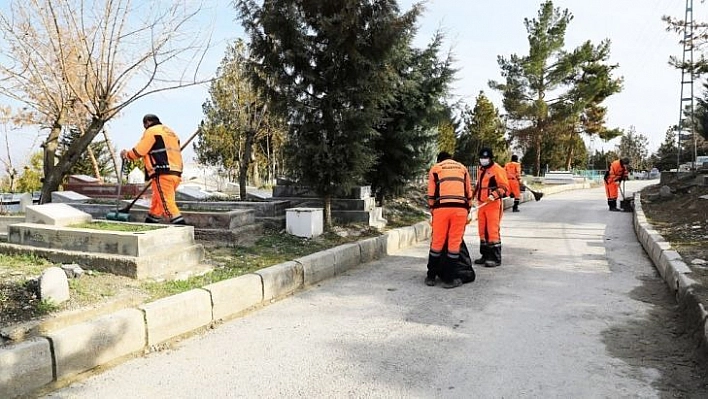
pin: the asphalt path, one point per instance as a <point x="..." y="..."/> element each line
<point x="567" y="315"/>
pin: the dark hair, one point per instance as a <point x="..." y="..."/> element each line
<point x="443" y="155"/>
<point x="624" y="161"/>
<point x="514" y="158"/>
<point x="151" y="119"/>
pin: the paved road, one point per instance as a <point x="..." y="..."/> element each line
<point x="576" y="311"/>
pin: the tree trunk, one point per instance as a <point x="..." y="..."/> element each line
<point x="538" y="154"/>
<point x="571" y="149"/>
<point x="94" y="163"/>
<point x="50" y="146"/>
<point x="54" y="172"/>
<point x="112" y="151"/>
<point x="245" y="161"/>
<point x="328" y="212"/>
<point x="571" y="154"/>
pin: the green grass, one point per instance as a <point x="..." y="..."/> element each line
<point x="127" y="227"/>
<point x="45" y="307"/>
<point x="271" y="249"/>
<point x="25" y="263"/>
<point x="83" y="290"/>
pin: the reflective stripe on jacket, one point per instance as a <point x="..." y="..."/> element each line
<point x="449" y="185"/>
<point x="160" y="149"/>
<point x="491" y="180"/>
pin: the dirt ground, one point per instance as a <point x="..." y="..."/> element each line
<point x="682" y="219"/>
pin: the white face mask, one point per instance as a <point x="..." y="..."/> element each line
<point x="484" y="161"/>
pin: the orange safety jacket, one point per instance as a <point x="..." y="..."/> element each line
<point x="491" y="180"/>
<point x="616" y="173"/>
<point x="449" y="186"/>
<point x="513" y="170"/>
<point x="160" y="149"/>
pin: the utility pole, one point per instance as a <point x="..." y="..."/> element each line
<point x="686" y="109"/>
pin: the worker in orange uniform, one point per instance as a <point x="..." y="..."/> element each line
<point x="618" y="171"/>
<point x="160" y="150"/>
<point x="449" y="200"/>
<point x="492" y="185"/>
<point x="513" y="174"/>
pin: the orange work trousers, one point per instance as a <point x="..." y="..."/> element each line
<point x="489" y="222"/>
<point x="514" y="188"/>
<point x="611" y="190"/>
<point x="448" y="225"/>
<point x="163" y="202"/>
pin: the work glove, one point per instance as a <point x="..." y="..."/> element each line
<point x="490" y="199"/>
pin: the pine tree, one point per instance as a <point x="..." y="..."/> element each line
<point x="553" y="92"/>
<point x="666" y="156"/>
<point x="633" y="145"/>
<point x="407" y="142"/>
<point x="96" y="161"/>
<point x="483" y="128"/>
<point x="237" y="120"/>
<point x="328" y="65"/>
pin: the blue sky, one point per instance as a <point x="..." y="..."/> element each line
<point x="477" y="32"/>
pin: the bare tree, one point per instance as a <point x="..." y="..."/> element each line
<point x="80" y="62"/>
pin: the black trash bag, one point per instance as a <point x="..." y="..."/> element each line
<point x="461" y="268"/>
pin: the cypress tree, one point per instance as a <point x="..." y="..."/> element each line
<point x="328" y="65"/>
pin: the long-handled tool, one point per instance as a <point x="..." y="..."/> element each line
<point x="118" y="215"/>
<point x="537" y="195"/>
<point x="627" y="204"/>
<point x="470" y="218"/>
<point x="123" y="214"/>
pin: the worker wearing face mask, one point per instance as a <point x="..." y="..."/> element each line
<point x="492" y="185"/>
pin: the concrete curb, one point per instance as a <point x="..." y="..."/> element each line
<point x="673" y="270"/>
<point x="60" y="355"/>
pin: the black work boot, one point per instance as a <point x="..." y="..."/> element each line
<point x="453" y="284"/>
<point x="613" y="205"/>
<point x="515" y="208"/>
<point x="151" y="219"/>
<point x="484" y="251"/>
<point x="179" y="220"/>
<point x="494" y="256"/>
<point x="433" y="268"/>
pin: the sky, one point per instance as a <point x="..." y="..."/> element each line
<point x="477" y="31"/>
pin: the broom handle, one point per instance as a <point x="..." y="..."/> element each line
<point x="147" y="184"/>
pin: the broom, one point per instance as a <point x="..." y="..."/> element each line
<point x="537" y="195"/>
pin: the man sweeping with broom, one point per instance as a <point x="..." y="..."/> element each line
<point x="160" y="149"/>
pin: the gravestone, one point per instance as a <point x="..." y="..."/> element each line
<point x="68" y="197"/>
<point x="54" y="285"/>
<point x="55" y="215"/>
<point x="83" y="179"/>
<point x="25" y="201"/>
<point x="186" y="193"/>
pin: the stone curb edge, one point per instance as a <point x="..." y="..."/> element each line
<point x="673" y="270"/>
<point x="60" y="355"/>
